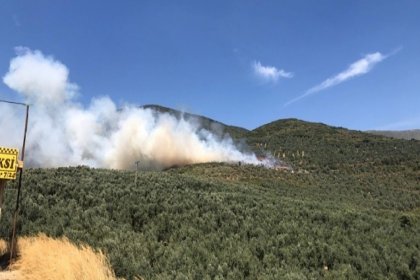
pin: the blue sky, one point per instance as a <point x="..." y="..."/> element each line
<point x="354" y="64"/>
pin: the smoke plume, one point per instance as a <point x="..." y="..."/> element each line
<point x="63" y="132"/>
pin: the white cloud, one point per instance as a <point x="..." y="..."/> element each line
<point x="270" y="73"/>
<point x="360" y="67"/>
<point x="41" y="79"/>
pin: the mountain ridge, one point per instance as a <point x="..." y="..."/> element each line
<point x="398" y="134"/>
<point x="316" y="147"/>
<point x="212" y="125"/>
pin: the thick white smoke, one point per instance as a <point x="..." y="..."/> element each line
<point x="62" y="132"/>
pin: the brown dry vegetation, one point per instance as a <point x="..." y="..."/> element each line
<point x="46" y="258"/>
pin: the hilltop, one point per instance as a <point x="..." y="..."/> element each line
<point x="218" y="128"/>
<point x="349" y="211"/>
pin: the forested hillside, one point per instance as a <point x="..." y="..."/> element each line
<point x="318" y="147"/>
<point x="350" y="210"/>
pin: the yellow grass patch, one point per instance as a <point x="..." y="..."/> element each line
<point x="46" y="258"/>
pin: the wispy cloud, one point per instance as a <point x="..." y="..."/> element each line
<point x="16" y="20"/>
<point x="270" y="73"/>
<point x="358" y="68"/>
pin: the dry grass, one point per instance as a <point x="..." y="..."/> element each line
<point x="45" y="258"/>
<point x="3" y="246"/>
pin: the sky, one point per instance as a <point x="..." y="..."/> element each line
<point x="353" y="64"/>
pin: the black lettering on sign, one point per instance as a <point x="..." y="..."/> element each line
<point x="7" y="163"/>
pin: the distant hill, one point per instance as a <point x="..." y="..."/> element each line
<point x="401" y="134"/>
<point x="314" y="146"/>
<point x="216" y="127"/>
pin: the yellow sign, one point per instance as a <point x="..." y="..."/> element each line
<point x="8" y="163"/>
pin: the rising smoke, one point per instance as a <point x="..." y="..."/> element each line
<point x="62" y="132"/>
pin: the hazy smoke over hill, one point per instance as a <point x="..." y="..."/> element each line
<point x="62" y="132"/>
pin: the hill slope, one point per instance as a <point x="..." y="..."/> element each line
<point x="317" y="147"/>
<point x="214" y="126"/>
<point x="351" y="211"/>
<point x="234" y="222"/>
